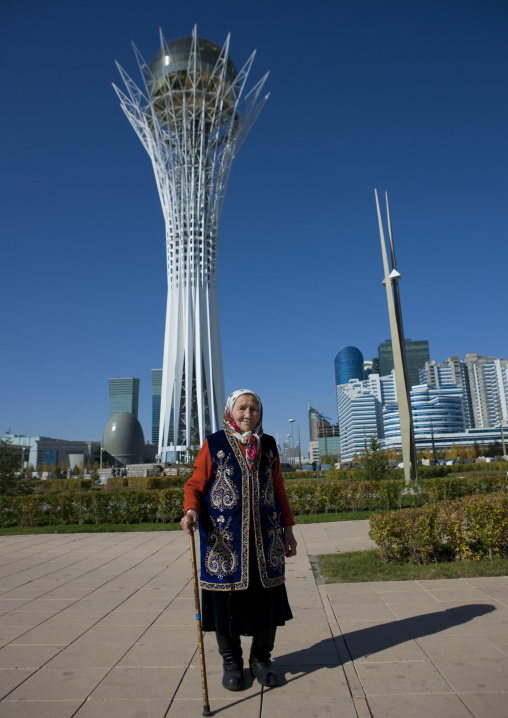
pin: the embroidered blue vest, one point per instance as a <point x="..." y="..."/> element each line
<point x="231" y="501"/>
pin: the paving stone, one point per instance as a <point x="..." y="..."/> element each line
<point x="461" y="595"/>
<point x="420" y="706"/>
<point x="111" y="635"/>
<point x="66" y="683"/>
<point x="276" y="705"/>
<point x="20" y="656"/>
<point x="139" y="682"/>
<point x="79" y="655"/>
<point x="24" y="618"/>
<point x="478" y="675"/>
<point x="173" y="655"/>
<point x="39" y="709"/>
<point x="123" y="709"/>
<point x="50" y="636"/>
<point x="448" y="647"/>
<point x="499" y="640"/>
<point x="400" y="678"/>
<point x="128" y="618"/>
<point x="10" y="678"/>
<point x="11" y="633"/>
<point x="483" y="705"/>
<point x="230" y="707"/>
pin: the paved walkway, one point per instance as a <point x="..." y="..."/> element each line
<point x="102" y="625"/>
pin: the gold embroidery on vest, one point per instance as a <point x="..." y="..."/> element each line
<point x="276" y="548"/>
<point x="223" y="494"/>
<point x="220" y="559"/>
<point x="267" y="494"/>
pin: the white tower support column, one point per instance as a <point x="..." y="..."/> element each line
<point x="192" y="116"/>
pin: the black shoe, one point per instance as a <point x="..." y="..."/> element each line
<point x="232" y="678"/>
<point x="259" y="662"/>
<point x="262" y="670"/>
<point x="230" y="648"/>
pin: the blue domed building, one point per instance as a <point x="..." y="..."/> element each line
<point x="348" y="365"/>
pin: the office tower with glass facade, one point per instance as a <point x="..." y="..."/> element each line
<point x="359" y="418"/>
<point x="488" y="386"/>
<point x="417" y="353"/>
<point x="348" y="364"/>
<point x="191" y="115"/>
<point x="435" y="411"/>
<point x="451" y="371"/>
<point x="123" y="396"/>
<point x="156" y="404"/>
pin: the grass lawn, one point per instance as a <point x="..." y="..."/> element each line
<point x="356" y="566"/>
<point x="87" y="529"/>
<point x="108" y="528"/>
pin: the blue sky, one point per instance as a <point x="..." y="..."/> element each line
<point x="408" y="97"/>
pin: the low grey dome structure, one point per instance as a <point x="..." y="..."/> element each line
<point x="123" y="438"/>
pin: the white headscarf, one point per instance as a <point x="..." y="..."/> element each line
<point x="251" y="438"/>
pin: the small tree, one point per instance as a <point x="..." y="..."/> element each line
<point x="374" y="462"/>
<point x="76" y="470"/>
<point x="12" y="479"/>
<point x="329" y="459"/>
<point x="193" y="450"/>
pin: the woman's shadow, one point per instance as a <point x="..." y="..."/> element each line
<point x="371" y="640"/>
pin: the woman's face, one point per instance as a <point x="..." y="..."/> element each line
<point x="246" y="412"/>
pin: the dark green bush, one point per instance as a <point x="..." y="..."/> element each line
<point x="122" y="506"/>
<point x="467" y="529"/>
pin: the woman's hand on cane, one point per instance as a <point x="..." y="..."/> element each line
<point x="189" y="521"/>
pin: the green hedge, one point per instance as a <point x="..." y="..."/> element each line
<point x="150" y="482"/>
<point x="62" y="484"/>
<point x="139" y="505"/>
<point x="129" y="506"/>
<point x="467" y="529"/>
<point x="311" y="497"/>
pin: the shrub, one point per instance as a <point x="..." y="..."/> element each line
<point x="94" y="507"/>
<point x="466" y="529"/>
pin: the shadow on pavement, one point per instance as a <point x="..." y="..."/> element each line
<point x="373" y="639"/>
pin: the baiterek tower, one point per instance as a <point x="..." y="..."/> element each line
<point x="191" y="116"/>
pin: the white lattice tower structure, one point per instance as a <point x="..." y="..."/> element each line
<point x="191" y="117"/>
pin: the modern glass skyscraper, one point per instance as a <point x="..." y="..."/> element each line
<point x="156" y="404"/>
<point x="359" y="418"/>
<point x="191" y="116"/>
<point x="488" y="386"/>
<point x="123" y="396"/>
<point x="348" y="364"/>
<point x="417" y="353"/>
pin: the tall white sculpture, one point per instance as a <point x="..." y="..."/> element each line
<point x="192" y="117"/>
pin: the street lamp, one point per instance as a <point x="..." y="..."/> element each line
<point x="292" y="421"/>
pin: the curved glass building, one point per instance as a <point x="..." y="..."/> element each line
<point x="348" y="364"/>
<point x="438" y="411"/>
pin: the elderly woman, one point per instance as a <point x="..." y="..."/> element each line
<point x="245" y="527"/>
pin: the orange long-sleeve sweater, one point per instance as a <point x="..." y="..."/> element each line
<point x="197" y="484"/>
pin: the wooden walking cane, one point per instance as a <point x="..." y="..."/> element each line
<point x="206" y="705"/>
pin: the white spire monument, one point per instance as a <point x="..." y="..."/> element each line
<point x="192" y="116"/>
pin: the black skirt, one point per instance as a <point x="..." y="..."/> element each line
<point x="247" y="612"/>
